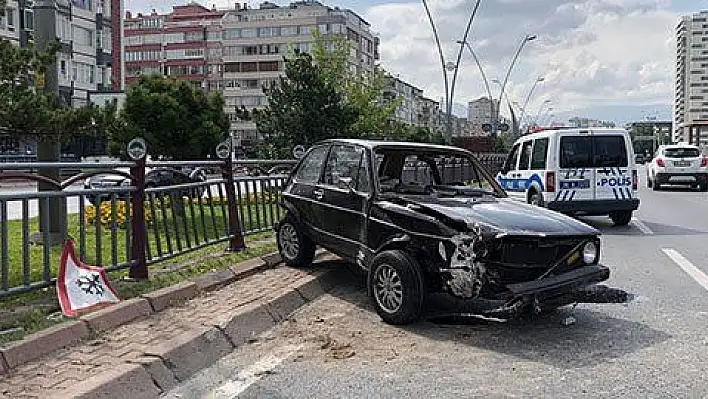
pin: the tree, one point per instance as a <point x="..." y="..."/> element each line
<point x="177" y="120"/>
<point x="304" y="107"/>
<point x="361" y="91"/>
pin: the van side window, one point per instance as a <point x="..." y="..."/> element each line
<point x="539" y="154"/>
<point x="525" y="155"/>
<point x="510" y="163"/>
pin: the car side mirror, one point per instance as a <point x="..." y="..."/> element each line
<point x="347" y="182"/>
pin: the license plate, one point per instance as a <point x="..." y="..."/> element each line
<point x="574" y="184"/>
<point x="682" y="164"/>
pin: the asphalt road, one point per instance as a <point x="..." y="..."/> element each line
<point x="654" y="346"/>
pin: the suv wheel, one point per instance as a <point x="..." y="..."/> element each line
<point x="294" y="246"/>
<point x="621" y="218"/>
<point x="398" y="288"/>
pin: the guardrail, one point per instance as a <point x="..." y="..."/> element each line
<point x="119" y="222"/>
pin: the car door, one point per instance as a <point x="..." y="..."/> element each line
<point x="613" y="169"/>
<point x="303" y="191"/>
<point x="507" y="177"/>
<point x="576" y="175"/>
<point x="344" y="193"/>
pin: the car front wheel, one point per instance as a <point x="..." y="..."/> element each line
<point x="294" y="246"/>
<point x="397" y="288"/>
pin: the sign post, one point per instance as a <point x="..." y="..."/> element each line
<point x="236" y="242"/>
<point x="137" y="151"/>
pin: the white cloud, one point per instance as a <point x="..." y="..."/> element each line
<point x="591" y="52"/>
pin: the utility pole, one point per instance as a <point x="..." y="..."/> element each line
<point x="49" y="149"/>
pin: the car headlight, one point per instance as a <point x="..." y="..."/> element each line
<point x="590" y="253"/>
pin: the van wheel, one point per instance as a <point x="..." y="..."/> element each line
<point x="397" y="287"/>
<point x="649" y="182"/>
<point x="535" y="199"/>
<point x="621" y="218"/>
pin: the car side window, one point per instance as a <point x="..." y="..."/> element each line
<point x="510" y="163"/>
<point x="347" y="162"/>
<point x="309" y="171"/>
<point x="525" y="155"/>
<point x="539" y="154"/>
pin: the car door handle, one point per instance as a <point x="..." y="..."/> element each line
<point x="318" y="194"/>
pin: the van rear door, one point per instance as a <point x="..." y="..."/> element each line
<point x="613" y="168"/>
<point x="576" y="176"/>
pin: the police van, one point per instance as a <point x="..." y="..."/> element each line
<point x="575" y="171"/>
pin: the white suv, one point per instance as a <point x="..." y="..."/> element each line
<point x="680" y="164"/>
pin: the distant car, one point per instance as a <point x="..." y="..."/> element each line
<point x="639" y="159"/>
<point x="678" y="164"/>
<point x="421" y="219"/>
<point x="158" y="177"/>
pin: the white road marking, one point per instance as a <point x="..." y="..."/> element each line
<point x="700" y="277"/>
<point x="253" y="373"/>
<point x="642" y="227"/>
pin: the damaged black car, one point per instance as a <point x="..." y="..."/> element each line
<point x="423" y="219"/>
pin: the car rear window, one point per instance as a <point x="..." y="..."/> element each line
<point x="593" y="152"/>
<point x="682" y="153"/>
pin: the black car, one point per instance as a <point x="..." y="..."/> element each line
<point x="423" y="219"/>
<point x="157" y="177"/>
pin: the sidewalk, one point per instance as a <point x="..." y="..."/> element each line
<point x="153" y="353"/>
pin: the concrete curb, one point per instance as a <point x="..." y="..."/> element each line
<point x="69" y="333"/>
<point x="175" y="361"/>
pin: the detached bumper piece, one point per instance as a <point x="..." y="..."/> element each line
<point x="561" y="284"/>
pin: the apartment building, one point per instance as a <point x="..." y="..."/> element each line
<point x="691" y="98"/>
<point x="409" y="109"/>
<point x="481" y="110"/>
<point x="255" y="40"/>
<point x="185" y="44"/>
<point x="89" y="32"/>
<point x="10" y="22"/>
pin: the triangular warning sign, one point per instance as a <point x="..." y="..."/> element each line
<point x="82" y="287"/>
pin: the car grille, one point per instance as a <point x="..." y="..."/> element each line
<point x="524" y="259"/>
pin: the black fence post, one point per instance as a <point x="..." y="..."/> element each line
<point x="236" y="243"/>
<point x="138" y="266"/>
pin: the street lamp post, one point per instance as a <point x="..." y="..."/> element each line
<point x="527" y="39"/>
<point x="450" y="88"/>
<point x="484" y="78"/>
<point x="538" y="114"/>
<point x="509" y="102"/>
<point x="528" y="97"/>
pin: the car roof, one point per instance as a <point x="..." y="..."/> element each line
<point x="379" y="144"/>
<point x="672" y="146"/>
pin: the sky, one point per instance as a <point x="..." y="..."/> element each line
<point x="606" y="59"/>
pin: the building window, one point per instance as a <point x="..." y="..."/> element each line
<point x="193" y="36"/>
<point x="29" y="19"/>
<point x="10" y="17"/>
<point x="288" y="31"/>
<point x="231" y="34"/>
<point x="268" y="66"/>
<point x="83" y="36"/>
<point x="85" y="4"/>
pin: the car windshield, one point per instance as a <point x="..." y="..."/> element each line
<point x="682" y="152"/>
<point x="429" y="172"/>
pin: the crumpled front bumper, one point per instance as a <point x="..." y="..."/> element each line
<point x="561" y="284"/>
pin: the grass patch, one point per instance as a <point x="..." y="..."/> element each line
<point x="39" y="309"/>
<point x="107" y="241"/>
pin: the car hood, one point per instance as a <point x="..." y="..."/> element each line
<point x="505" y="215"/>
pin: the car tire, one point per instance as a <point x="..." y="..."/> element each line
<point x="392" y="274"/>
<point x="296" y="249"/>
<point x="649" y="182"/>
<point x="621" y="218"/>
<point x="703" y="187"/>
<point x="535" y="199"/>
<point x="655" y="186"/>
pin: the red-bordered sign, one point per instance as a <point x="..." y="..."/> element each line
<point x="81" y="287"/>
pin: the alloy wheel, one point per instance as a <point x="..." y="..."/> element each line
<point x="388" y="289"/>
<point x="289" y="243"/>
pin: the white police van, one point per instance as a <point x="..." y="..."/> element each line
<point x="575" y="171"/>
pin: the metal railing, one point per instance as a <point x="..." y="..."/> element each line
<point x="129" y="224"/>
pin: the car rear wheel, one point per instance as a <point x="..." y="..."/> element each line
<point x="621" y="218"/>
<point x="703" y="187"/>
<point x="398" y="288"/>
<point x="295" y="247"/>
